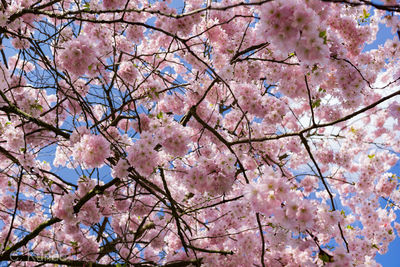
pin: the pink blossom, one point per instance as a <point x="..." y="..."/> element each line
<point x="19" y="43"/>
<point x="128" y="72"/>
<point x="394" y="110"/>
<point x="92" y="150"/>
<point x="113" y="4"/>
<point x="79" y="56"/>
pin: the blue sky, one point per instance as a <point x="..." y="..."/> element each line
<point x="390" y="259"/>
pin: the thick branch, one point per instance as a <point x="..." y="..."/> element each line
<point x="96" y="190"/>
<point x="14" y="110"/>
<point x="321" y="125"/>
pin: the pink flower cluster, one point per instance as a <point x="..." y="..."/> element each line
<point x="394" y="110"/>
<point x="142" y="156"/>
<point x="251" y="100"/>
<point x="181" y="26"/>
<point x="386" y="184"/>
<point x="78" y="56"/>
<point x="91" y="151"/>
<point x="121" y="169"/>
<point x="128" y="71"/>
<point x="174" y="138"/>
<point x="19" y="43"/>
<point x="212" y="174"/>
<point x="113" y="4"/>
<point x="294" y="27"/>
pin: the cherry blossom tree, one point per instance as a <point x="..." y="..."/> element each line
<point x="198" y="133"/>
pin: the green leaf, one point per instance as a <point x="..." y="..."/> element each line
<point x="322" y="35"/>
<point x="366" y="14"/>
<point x="90" y="67"/>
<point x="374" y="246"/>
<point x="315" y="67"/>
<point x="83" y="179"/>
<point x="325" y="257"/>
<point x="160" y="115"/>
<point x="316" y="103"/>
<point x="37" y="106"/>
<point x="371" y="156"/>
<point x="229" y="50"/>
<point x="86" y="7"/>
<point x="9" y="183"/>
<point x="350" y="227"/>
<point x="271" y="225"/>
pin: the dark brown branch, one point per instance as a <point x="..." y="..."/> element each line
<point x="304" y="141"/>
<point x="15" y="211"/>
<point x="222" y="252"/>
<point x="38" y="10"/>
<point x="39" y="259"/>
<point x="96" y="190"/>
<point x="391" y="8"/>
<point x="322" y="125"/>
<point x="8" y="155"/>
<point x="247" y="50"/>
<point x="185" y="119"/>
<point x="226" y="143"/>
<point x="13" y="109"/>
<point x="310" y="101"/>
<point x="262" y="240"/>
<point x="174" y="212"/>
